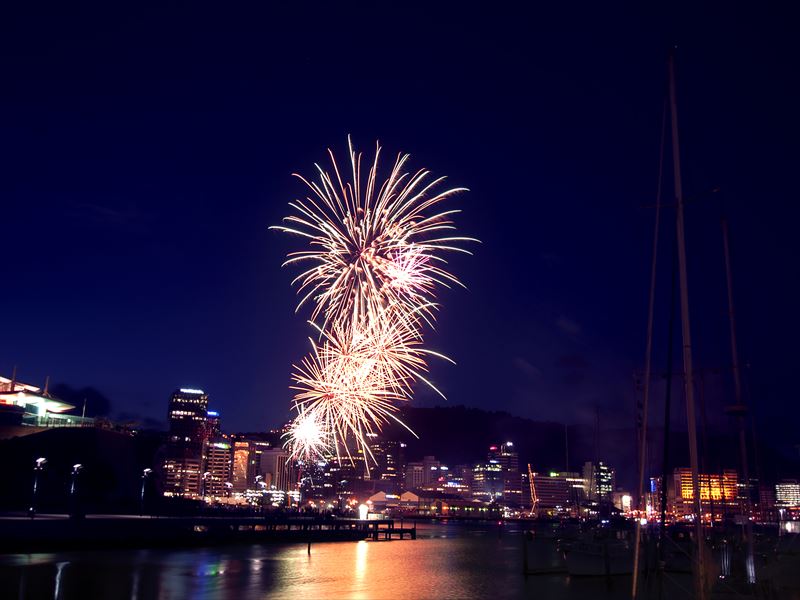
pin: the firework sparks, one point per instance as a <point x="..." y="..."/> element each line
<point x="371" y="245"/>
<point x="371" y="271"/>
<point x="307" y="435"/>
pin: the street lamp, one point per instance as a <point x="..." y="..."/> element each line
<point x="145" y="474"/>
<point x="73" y="497"/>
<point x="38" y="466"/>
<point x="75" y="470"/>
<point x="204" y="482"/>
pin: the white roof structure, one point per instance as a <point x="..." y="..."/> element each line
<point x="30" y="397"/>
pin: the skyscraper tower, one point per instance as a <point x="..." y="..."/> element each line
<point x="188" y="433"/>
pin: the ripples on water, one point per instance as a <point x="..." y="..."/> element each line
<point x="446" y="561"/>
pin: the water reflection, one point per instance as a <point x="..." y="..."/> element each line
<point x="446" y="561"/>
<point x="361" y="562"/>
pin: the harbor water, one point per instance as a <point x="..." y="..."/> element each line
<point x="448" y="560"/>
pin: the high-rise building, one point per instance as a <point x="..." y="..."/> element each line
<point x="394" y="462"/>
<point x="218" y="468"/>
<point x="557" y="491"/>
<point x="718" y="493"/>
<point x="653" y="496"/>
<point x="241" y="466"/>
<point x="787" y="494"/>
<point x="415" y="475"/>
<point x="214" y="425"/>
<point x="601" y="481"/>
<point x="508" y="459"/>
<point x="422" y="473"/>
<point x="277" y="471"/>
<point x="488" y="481"/>
<point x="183" y="464"/>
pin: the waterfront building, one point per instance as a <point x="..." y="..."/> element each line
<point x="718" y="493"/>
<point x="218" y="468"/>
<point x="787" y="494"/>
<point x="183" y="463"/>
<point x="382" y="501"/>
<point x="556" y="492"/>
<point x="441" y="504"/>
<point x="24" y="405"/>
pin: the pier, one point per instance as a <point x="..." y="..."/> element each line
<point x="58" y="532"/>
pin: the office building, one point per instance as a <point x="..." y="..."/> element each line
<point x="600" y="481"/>
<point x="422" y="473"/>
<point x="188" y="433"/>
<point x="718" y="493"/>
<point x="556" y="491"/>
<point x="488" y="481"/>
<point x="218" y="468"/>
<point x="214" y="425"/>
<point x="787" y="494"/>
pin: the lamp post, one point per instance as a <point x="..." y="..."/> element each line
<point x="204" y="483"/>
<point x="263" y="502"/>
<point x="145" y="474"/>
<point x="38" y="466"/>
<point x="73" y="497"/>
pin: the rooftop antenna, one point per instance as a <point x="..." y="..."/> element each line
<point x="14" y="378"/>
<point x="83" y="414"/>
<point x="46" y="392"/>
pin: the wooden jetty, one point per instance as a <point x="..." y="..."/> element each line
<point x="58" y="532"/>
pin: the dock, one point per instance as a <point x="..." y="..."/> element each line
<point x="58" y="532"/>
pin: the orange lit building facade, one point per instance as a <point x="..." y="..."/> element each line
<point x="718" y="493"/>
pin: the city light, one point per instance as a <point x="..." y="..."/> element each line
<point x="363" y="511"/>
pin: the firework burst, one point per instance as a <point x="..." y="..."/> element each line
<point x="371" y="269"/>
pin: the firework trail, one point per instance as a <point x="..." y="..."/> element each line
<point x="372" y="266"/>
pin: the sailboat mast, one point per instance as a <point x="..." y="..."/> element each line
<point x="647" y="368"/>
<point x="739" y="409"/>
<point x="686" y="336"/>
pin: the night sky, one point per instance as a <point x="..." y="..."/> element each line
<point x="145" y="152"/>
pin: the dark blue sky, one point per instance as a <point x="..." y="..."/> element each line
<point x="144" y="153"/>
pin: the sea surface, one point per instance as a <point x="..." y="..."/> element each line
<point x="447" y="560"/>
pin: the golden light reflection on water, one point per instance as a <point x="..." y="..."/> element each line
<point x="461" y="561"/>
<point x="362" y="548"/>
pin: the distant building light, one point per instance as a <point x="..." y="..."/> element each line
<point x="191" y="391"/>
<point x="213" y="413"/>
<point x="509" y="444"/>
